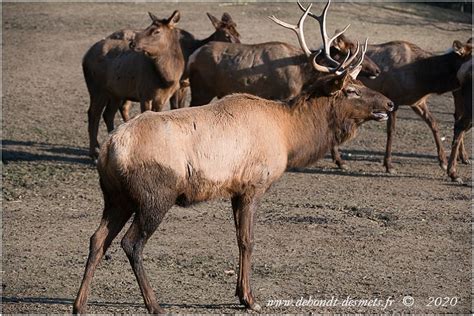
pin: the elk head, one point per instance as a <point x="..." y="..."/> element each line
<point x="338" y="84"/>
<point x="463" y="51"/>
<point x="158" y="36"/>
<point x="226" y="29"/>
<point x="352" y="98"/>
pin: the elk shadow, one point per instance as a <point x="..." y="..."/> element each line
<point x="69" y="302"/>
<point x="371" y="156"/>
<point x="17" y="151"/>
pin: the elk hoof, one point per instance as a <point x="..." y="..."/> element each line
<point x="391" y="171"/>
<point x="466" y="161"/>
<point x="78" y="310"/>
<point x="94" y="156"/>
<point x="344" y="167"/>
<point x="255" y="307"/>
<point x="457" y="180"/>
<point x="157" y="310"/>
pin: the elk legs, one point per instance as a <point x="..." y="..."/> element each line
<point x="244" y="207"/>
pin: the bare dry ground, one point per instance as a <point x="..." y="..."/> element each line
<point x="320" y="232"/>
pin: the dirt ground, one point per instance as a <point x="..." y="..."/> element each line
<point x="321" y="233"/>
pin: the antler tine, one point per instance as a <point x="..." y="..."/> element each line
<point x="311" y="14"/>
<point x="327" y="69"/>
<point x="322" y="25"/>
<point x="355" y="69"/>
<point x="320" y="68"/>
<point x="338" y="34"/>
<point x="347" y="62"/>
<point x="298" y="29"/>
<point x="364" y="50"/>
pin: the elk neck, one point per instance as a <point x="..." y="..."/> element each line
<point x="437" y="74"/>
<point x="169" y="63"/>
<point x="189" y="43"/>
<point x="315" y="124"/>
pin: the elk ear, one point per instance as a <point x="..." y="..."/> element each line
<point x="215" y="21"/>
<point x="227" y="19"/>
<point x="458" y="48"/>
<point x="173" y="19"/>
<point x="340" y="41"/>
<point x="335" y="84"/>
<point x="153" y="17"/>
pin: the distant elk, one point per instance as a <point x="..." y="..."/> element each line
<point x="234" y="148"/>
<point x="272" y="70"/>
<point x="143" y="66"/>
<point x="409" y="75"/>
<point x="463" y="116"/>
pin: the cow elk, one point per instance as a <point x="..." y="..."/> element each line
<point x="409" y="75"/>
<point x="463" y="123"/>
<point x="273" y="70"/>
<point x="143" y="66"/>
<point x="192" y="155"/>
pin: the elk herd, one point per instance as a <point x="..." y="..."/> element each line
<point x="301" y="103"/>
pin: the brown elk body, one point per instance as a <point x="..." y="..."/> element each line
<point x="409" y="75"/>
<point x="150" y="73"/>
<point x="273" y="70"/>
<point x="463" y="122"/>
<point x="191" y="155"/>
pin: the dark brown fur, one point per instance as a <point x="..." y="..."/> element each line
<point x="273" y="70"/>
<point x="463" y="118"/>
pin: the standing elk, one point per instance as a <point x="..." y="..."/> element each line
<point x="409" y="75"/>
<point x="463" y="123"/>
<point x="144" y="66"/>
<point x="225" y="32"/>
<point x="272" y="70"/>
<point x="191" y="155"/>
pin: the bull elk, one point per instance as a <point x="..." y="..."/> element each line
<point x="463" y="123"/>
<point x="272" y="70"/>
<point x="192" y="155"/>
<point x="149" y="73"/>
<point x="409" y="75"/>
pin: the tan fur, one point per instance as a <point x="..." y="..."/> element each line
<point x="235" y="148"/>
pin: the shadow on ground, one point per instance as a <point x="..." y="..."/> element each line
<point x="69" y="301"/>
<point x="14" y="151"/>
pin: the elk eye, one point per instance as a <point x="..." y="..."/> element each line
<point x="352" y="92"/>
<point x="156" y="32"/>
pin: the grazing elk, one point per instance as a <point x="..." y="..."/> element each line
<point x="191" y="155"/>
<point x="409" y="75"/>
<point x="272" y="70"/>
<point x="463" y="123"/>
<point x="144" y="66"/>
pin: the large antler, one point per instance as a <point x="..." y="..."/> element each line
<point x="298" y="29"/>
<point x="339" y="68"/>
<point x="322" y="25"/>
